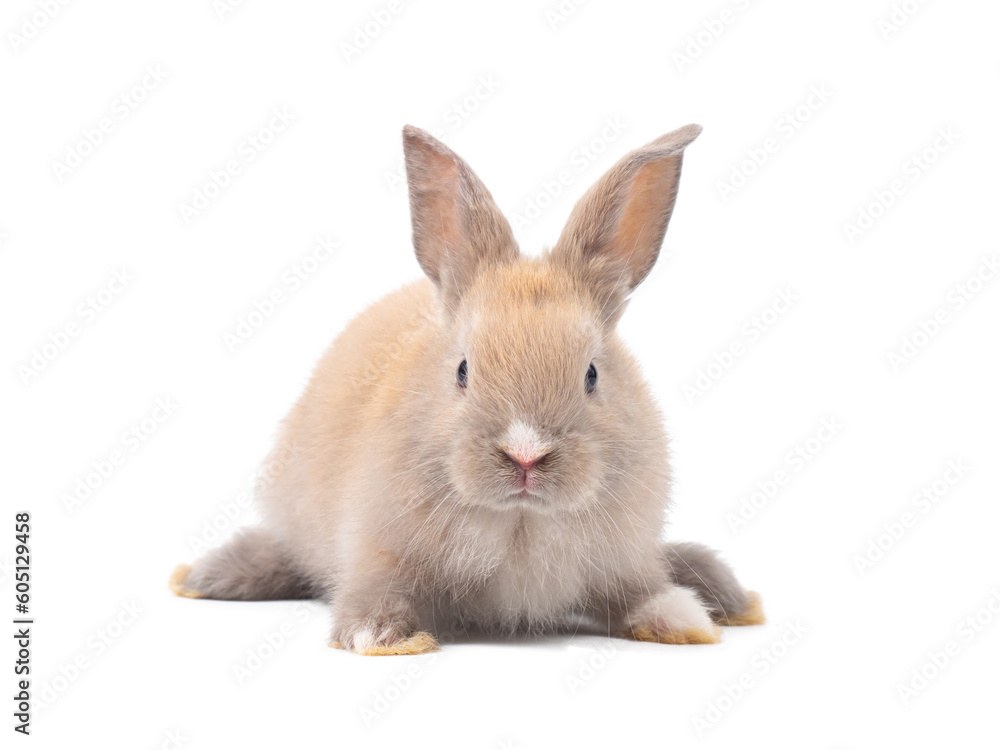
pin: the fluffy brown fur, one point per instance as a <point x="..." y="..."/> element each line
<point x="406" y="501"/>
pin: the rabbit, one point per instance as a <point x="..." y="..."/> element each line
<point x="479" y="447"/>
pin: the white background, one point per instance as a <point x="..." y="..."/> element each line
<point x="552" y="83"/>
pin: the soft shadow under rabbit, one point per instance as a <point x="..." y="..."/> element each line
<point x="479" y="446"/>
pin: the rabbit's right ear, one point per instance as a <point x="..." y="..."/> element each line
<point x="457" y="227"/>
<point x="614" y="233"/>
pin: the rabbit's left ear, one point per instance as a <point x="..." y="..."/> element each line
<point x="457" y="226"/>
<point x="613" y="235"/>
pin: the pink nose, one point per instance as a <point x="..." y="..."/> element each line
<point x="525" y="462"/>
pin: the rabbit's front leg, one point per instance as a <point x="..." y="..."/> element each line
<point x="375" y="611"/>
<point x="675" y="615"/>
<point x="655" y="610"/>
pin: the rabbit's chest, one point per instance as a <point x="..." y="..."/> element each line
<point x="529" y="574"/>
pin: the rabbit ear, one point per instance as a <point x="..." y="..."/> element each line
<point x="614" y="233"/>
<point x="456" y="225"/>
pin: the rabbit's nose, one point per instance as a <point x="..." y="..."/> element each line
<point x="523" y="445"/>
<point x="523" y="462"/>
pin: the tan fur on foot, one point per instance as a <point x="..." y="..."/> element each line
<point x="176" y="583"/>
<point x="418" y="643"/>
<point x="688" y="636"/>
<point x="754" y="614"/>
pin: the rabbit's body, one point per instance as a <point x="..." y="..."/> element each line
<point x="519" y="496"/>
<point x="361" y="464"/>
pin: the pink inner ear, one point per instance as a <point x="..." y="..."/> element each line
<point x="456" y="224"/>
<point x="643" y="221"/>
<point x="438" y="192"/>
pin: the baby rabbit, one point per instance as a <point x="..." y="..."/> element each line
<point x="479" y="447"/>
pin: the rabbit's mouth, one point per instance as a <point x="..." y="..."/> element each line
<point x="526" y="482"/>
<point x="524" y="492"/>
<point x="526" y="479"/>
<point x="526" y="486"/>
<point x="525" y="499"/>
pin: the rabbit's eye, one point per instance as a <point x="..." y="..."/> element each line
<point x="591" y="381"/>
<point x="463" y="374"/>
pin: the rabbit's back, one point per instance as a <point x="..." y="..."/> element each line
<point x="328" y="443"/>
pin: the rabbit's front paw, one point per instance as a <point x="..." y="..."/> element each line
<point x="676" y="616"/>
<point x="373" y="638"/>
